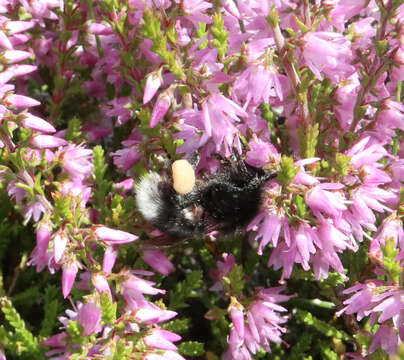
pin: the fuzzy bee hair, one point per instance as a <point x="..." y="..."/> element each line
<point x="225" y="201"/>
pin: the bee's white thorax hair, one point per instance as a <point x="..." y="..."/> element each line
<point x="148" y="196"/>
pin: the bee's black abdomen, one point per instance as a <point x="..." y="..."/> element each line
<point x="225" y="201"/>
<point x="232" y="204"/>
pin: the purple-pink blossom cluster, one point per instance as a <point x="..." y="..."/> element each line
<point x="140" y="333"/>
<point x="255" y="326"/>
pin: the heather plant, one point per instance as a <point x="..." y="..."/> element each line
<point x="96" y="94"/>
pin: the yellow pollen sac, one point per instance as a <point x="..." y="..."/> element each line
<point x="183" y="176"/>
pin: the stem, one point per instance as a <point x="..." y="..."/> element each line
<point x="97" y="39"/>
<point x="22" y="265"/>
<point x="7" y="141"/>
<point x="374" y="72"/>
<point x="291" y="72"/>
<point x="41" y="198"/>
<point x="306" y="12"/>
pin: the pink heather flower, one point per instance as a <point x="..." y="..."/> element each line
<point x="15" y="192"/>
<point x="20" y="39"/>
<point x="113" y="236"/>
<point x="127" y="157"/>
<point x="153" y="83"/>
<point x="59" y="245"/>
<point x="303" y="177"/>
<point x="360" y="302"/>
<point x="160" y="108"/>
<point x="237" y="347"/>
<point x="125" y="185"/>
<point x="219" y="115"/>
<point x="344" y="10"/>
<point x="236" y="311"/>
<point x="398" y="68"/>
<point x="162" y="339"/>
<point x="43" y="235"/>
<point x="99" y="29"/>
<point x="256" y="125"/>
<point x="195" y="10"/>
<point x="231" y="7"/>
<point x="5" y="41"/>
<point x="35" y="210"/>
<point x="345" y="96"/>
<point x="223" y="269"/>
<point x="386" y="338"/>
<point x="145" y="49"/>
<point x="268" y="228"/>
<point x="262" y="327"/>
<point x="37" y="124"/>
<point x="77" y="190"/>
<point x="183" y="37"/>
<point x="326" y="202"/>
<point x="261" y="153"/>
<point x="39" y="256"/>
<point x="257" y="84"/>
<point x="15" y="27"/>
<point x="108" y="262"/>
<point x="206" y="63"/>
<point x="5" y="76"/>
<point x="152" y="314"/>
<point x="366" y="152"/>
<point x="89" y="317"/>
<point x="39" y="261"/>
<point x="165" y="4"/>
<point x="190" y="120"/>
<point x="284" y="256"/>
<point x="330" y="242"/>
<point x="14" y="56"/>
<point x="363" y="32"/>
<point x="100" y="282"/>
<point x="158" y="261"/>
<point x="367" y="199"/>
<point x="304" y="239"/>
<point x="389" y="119"/>
<point x="58" y="340"/>
<point x="77" y="161"/>
<point x="134" y="288"/>
<point x="95" y="132"/>
<point x="119" y="107"/>
<point x="84" y="281"/>
<point x="69" y="272"/>
<point x="20" y="101"/>
<point x="328" y="53"/>
<point x="390" y="306"/>
<point x="21" y="69"/>
<point x="391" y="228"/>
<point x="47" y="141"/>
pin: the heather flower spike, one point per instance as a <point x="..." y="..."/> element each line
<point x="69" y="274"/>
<point x="153" y="83"/>
<point x="160" y="109"/>
<point x="158" y="261"/>
<point x="113" y="236"/>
